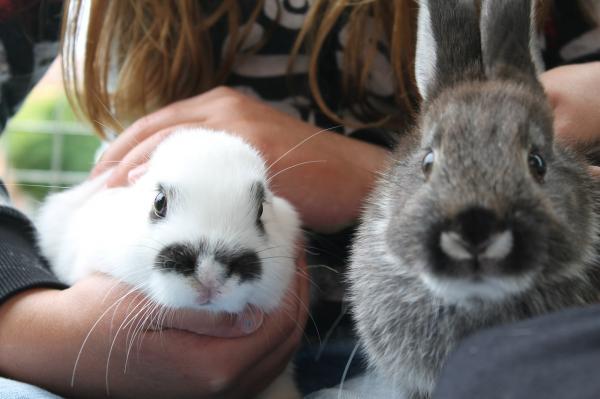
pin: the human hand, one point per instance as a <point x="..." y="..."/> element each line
<point x="574" y="93"/>
<point x="42" y="331"/>
<point x="325" y="175"/>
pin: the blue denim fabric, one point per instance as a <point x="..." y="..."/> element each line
<point x="10" y="389"/>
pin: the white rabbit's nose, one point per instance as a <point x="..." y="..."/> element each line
<point x="206" y="291"/>
<point x="497" y="247"/>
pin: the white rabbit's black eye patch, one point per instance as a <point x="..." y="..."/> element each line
<point x="178" y="258"/>
<point x="245" y="264"/>
<point x="183" y="258"/>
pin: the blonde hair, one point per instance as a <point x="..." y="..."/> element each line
<point x="143" y="54"/>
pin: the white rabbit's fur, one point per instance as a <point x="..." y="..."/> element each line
<point x="89" y="228"/>
<point x="210" y="177"/>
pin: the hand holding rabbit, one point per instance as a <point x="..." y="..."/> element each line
<point x="321" y="167"/>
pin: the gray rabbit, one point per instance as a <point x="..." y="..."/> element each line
<point x="483" y="220"/>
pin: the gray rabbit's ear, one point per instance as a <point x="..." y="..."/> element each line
<point x="448" y="45"/>
<point x="508" y="38"/>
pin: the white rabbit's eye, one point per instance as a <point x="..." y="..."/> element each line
<point x="537" y="165"/>
<point x="160" y="205"/>
<point x="428" y="163"/>
<point x="260" y="211"/>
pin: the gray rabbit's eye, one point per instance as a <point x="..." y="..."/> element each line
<point x="537" y="165"/>
<point x="159" y="209"/>
<point x="428" y="163"/>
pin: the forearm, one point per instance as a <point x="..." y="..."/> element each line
<point x="28" y="339"/>
<point x="573" y="91"/>
<point x="330" y="195"/>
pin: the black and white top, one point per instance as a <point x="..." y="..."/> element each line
<point x="28" y="43"/>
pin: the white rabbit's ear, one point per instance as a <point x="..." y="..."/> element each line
<point x="509" y="40"/>
<point x="448" y="45"/>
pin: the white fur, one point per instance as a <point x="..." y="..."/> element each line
<point x="426" y="57"/>
<point x="498" y="246"/>
<point x="90" y="228"/>
<point x="463" y="291"/>
<point x="453" y="246"/>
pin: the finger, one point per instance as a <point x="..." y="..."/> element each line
<point x="285" y="323"/>
<point x="232" y="325"/>
<point x="139" y="132"/>
<point x="137" y="172"/>
<point x="271" y="366"/>
<point x="140" y="155"/>
<point x="191" y="110"/>
<point x="123" y="301"/>
<point x="264" y="373"/>
<point x="216" y="324"/>
<point x="134" y="159"/>
<point x="230" y="360"/>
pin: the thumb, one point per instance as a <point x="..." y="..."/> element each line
<point x="225" y="325"/>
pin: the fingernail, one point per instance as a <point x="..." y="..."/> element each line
<point x="251" y="321"/>
<point x="137" y="172"/>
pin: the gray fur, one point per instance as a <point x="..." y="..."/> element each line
<point x="510" y="54"/>
<point x="452" y="34"/>
<point x="481" y="132"/>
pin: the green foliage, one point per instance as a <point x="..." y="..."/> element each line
<point x="29" y="148"/>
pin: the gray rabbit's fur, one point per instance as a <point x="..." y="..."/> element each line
<point x="415" y="290"/>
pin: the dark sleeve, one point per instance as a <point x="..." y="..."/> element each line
<point x="21" y="266"/>
<point x="28" y="44"/>
<point x="551" y="357"/>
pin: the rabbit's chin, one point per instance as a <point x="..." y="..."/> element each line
<point x="173" y="291"/>
<point x="476" y="290"/>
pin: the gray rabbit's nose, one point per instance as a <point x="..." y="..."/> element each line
<point x="476" y="234"/>
<point x="497" y="247"/>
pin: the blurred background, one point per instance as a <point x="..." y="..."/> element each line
<point x="45" y="147"/>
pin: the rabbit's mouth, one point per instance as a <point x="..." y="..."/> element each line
<point x="477" y="288"/>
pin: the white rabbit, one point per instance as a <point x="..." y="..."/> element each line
<point x="200" y="229"/>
